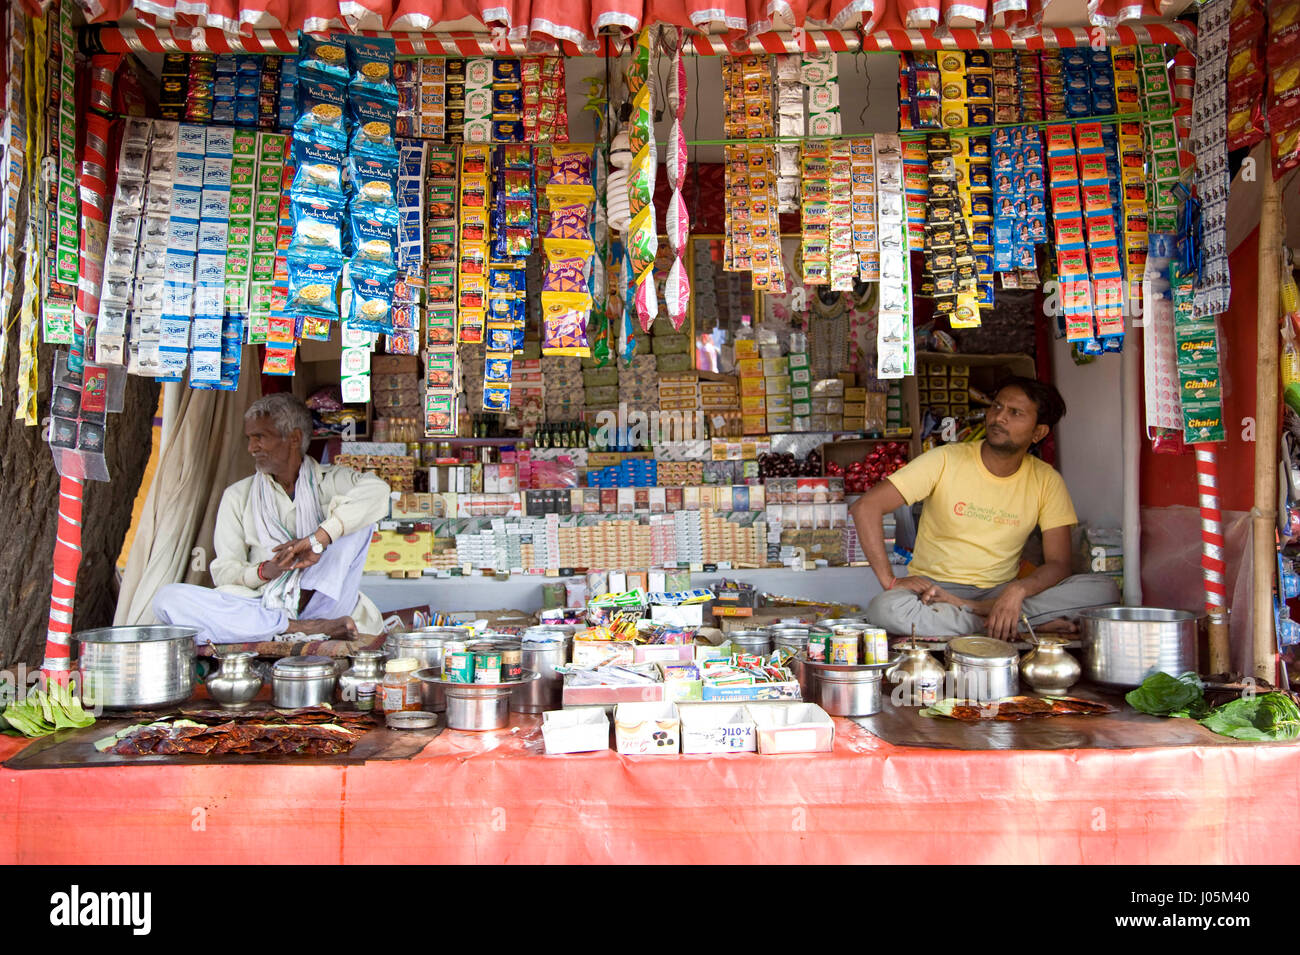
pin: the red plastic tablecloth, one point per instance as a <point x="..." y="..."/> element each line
<point x="494" y="797"/>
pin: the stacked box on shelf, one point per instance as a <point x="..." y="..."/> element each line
<point x="679" y="393"/>
<point x="222" y="90"/>
<point x="395" y="386"/>
<point x="564" y="395"/>
<point x="827" y="405"/>
<point x="753" y="387"/>
<point x="800" y="390"/>
<point x="200" y="87"/>
<point x="894" y="419"/>
<point x="777" y="401"/>
<point x="527" y="393"/>
<point x="287" y="105"/>
<point x="637" y="384"/>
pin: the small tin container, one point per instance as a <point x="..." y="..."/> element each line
<point x="512" y="659"/>
<point x="844" y="645"/>
<point x="459" y="665"/>
<point x="875" y="645"/>
<point x="487" y="666"/>
<point x="819" y="647"/>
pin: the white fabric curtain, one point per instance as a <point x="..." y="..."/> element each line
<point x="203" y="453"/>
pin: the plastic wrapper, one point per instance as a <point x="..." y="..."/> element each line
<point x="373" y="285"/>
<point x="324" y="57"/>
<point x="570" y="165"/>
<point x="642" y="241"/>
<point x="676" y="157"/>
<point x="564" y="324"/>
<point x="641" y="180"/>
<point x="677" y="222"/>
<point x="313" y="283"/>
<point x="317" y="224"/>
<point x="677" y="293"/>
<point x="647" y="299"/>
<point x="371" y="61"/>
<point x="374" y="231"/>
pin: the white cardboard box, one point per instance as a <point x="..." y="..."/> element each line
<point x="647" y="729"/>
<point x="575" y="731"/>
<point x="715" y="728"/>
<point x="792" y="728"/>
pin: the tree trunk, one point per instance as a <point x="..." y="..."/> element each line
<point x="31" y="490"/>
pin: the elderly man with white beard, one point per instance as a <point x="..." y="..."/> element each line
<point x="290" y="542"/>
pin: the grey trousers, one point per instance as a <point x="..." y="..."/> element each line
<point x="898" y="610"/>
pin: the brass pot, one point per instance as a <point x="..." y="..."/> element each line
<point x="1048" y="668"/>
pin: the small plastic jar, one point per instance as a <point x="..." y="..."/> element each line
<point x="401" y="689"/>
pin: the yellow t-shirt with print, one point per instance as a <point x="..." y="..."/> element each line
<point x="974" y="524"/>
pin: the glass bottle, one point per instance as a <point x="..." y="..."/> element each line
<point x="401" y="689"/>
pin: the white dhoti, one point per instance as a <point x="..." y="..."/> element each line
<point x="235" y="614"/>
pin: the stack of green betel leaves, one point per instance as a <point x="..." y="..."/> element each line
<point x="1261" y="717"/>
<point x="41" y="712"/>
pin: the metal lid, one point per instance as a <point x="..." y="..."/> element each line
<point x="301" y="668"/>
<point x="429" y="637"/>
<point x="367" y="655"/>
<point x="547" y="634"/>
<point x="152" y="633"/>
<point x="411" y="720"/>
<point x="981" y="651"/>
<point x="402" y="665"/>
<point x="750" y="636"/>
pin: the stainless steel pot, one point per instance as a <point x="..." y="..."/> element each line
<point x="545" y="692"/>
<point x="849" y="692"/>
<point x="795" y="637"/>
<point x="1122" y="646"/>
<point x="476" y="706"/>
<point x="302" y="681"/>
<point x="982" y="669"/>
<point x="751" y="641"/>
<point x="132" y="667"/>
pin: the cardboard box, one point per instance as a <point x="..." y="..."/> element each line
<point x="706" y="728"/>
<point x="591" y="653"/>
<point x="575" y="731"/>
<point x="749" y="367"/>
<point x="797" y="728"/>
<point x="647" y="729"/>
<point x="604" y="695"/>
<point x="748" y="694"/>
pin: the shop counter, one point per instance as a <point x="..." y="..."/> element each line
<point x="495" y="797"/>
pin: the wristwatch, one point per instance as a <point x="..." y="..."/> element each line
<point x="316" y="546"/>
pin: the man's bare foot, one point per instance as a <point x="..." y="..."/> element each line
<point x="1059" y="625"/>
<point x="336" y="629"/>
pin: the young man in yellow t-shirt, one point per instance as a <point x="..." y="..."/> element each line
<point x="982" y="501"/>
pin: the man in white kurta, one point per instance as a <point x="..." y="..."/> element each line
<point x="290" y="543"/>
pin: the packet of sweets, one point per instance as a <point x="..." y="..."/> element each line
<point x="570" y="165"/>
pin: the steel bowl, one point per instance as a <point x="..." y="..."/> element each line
<point x="136" y="667"/>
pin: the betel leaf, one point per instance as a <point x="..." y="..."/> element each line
<point x="1269" y="717"/>
<point x="1163" y="695"/>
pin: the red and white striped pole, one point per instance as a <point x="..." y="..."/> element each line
<point x="1214" y="567"/>
<point x="63" y="594"/>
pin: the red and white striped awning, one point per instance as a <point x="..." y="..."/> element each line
<point x="504" y="25"/>
<point x="113" y="38"/>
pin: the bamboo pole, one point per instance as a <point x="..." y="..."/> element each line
<point x="1264" y="513"/>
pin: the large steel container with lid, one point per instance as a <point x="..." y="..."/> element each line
<point x="544" y="648"/>
<point x="130" y="667"/>
<point x="982" y="668"/>
<point x="302" y="681"/>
